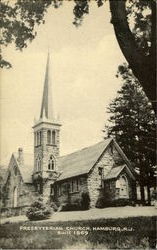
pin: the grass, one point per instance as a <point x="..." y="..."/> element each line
<point x="141" y="236"/>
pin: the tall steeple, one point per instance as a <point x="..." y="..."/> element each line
<point x="46" y="135"/>
<point x="47" y="105"/>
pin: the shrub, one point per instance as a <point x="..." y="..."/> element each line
<point x="121" y="202"/>
<point x="101" y="203"/>
<point x="71" y="207"/>
<point x="38" y="210"/>
<point x="85" y="201"/>
<point x="154" y="195"/>
<point x="54" y="206"/>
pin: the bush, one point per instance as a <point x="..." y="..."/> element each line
<point x="85" y="201"/>
<point x="71" y="207"/>
<point x="54" y="206"/>
<point x="38" y="210"/>
<point x="121" y="202"/>
<point x="101" y="203"/>
<point x="154" y="195"/>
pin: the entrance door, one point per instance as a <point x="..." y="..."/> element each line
<point x="123" y="192"/>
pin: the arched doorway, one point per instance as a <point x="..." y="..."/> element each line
<point x="15" y="197"/>
<point x="123" y="187"/>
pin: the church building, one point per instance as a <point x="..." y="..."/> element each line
<point x="101" y="170"/>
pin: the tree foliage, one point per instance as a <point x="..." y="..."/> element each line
<point x="132" y="123"/>
<point x="134" y="23"/>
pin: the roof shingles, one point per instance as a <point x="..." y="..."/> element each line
<point x="82" y="161"/>
<point x="74" y="164"/>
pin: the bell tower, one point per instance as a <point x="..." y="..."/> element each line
<point x="46" y="137"/>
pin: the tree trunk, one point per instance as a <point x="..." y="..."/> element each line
<point x="142" y="194"/>
<point x="148" y="193"/>
<point x="143" y="67"/>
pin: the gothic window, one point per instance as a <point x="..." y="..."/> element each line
<point x="48" y="136"/>
<point x="40" y="138"/>
<point x="38" y="164"/>
<point x="53" y="137"/>
<point x="15" y="197"/>
<point x="37" y="138"/>
<point x="51" y="163"/>
<point x="122" y="184"/>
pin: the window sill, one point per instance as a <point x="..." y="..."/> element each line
<point x="50" y="144"/>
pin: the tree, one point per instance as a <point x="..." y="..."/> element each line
<point x="137" y="41"/>
<point x="132" y="123"/>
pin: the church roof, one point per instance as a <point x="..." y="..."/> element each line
<point x="80" y="162"/>
<point x="115" y="171"/>
<point x="26" y="170"/>
<point x="77" y="163"/>
<point x="74" y="164"/>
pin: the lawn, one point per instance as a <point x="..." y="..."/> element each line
<point x="111" y="233"/>
<point x="94" y="214"/>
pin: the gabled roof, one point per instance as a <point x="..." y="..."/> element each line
<point x="77" y="163"/>
<point x="115" y="171"/>
<point x="81" y="162"/>
<point x="26" y="170"/>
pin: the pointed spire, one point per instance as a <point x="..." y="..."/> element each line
<point x="46" y="107"/>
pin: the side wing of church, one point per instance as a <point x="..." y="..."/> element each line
<point x="101" y="170"/>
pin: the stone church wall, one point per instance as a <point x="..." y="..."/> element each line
<point x="25" y="192"/>
<point x="44" y="150"/>
<point x="72" y="197"/>
<point x="95" y="184"/>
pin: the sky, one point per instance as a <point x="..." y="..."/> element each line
<point x="83" y="65"/>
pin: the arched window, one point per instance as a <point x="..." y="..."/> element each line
<point x="51" y="163"/>
<point x="123" y="187"/>
<point x="39" y="137"/>
<point x="15" y="197"/>
<point x="48" y="136"/>
<point x="36" y="139"/>
<point x="38" y="164"/>
<point x="53" y="137"/>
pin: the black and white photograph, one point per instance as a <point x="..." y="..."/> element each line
<point x="78" y="124"/>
